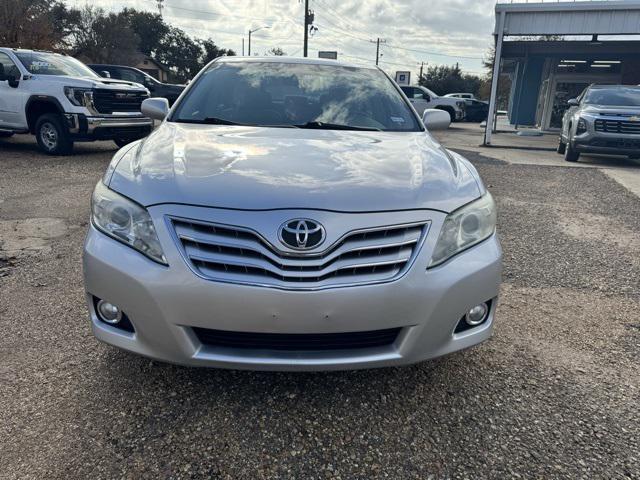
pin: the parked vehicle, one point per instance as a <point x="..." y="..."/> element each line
<point x="169" y="91"/>
<point x="476" y="111"/>
<point x="278" y="219"/>
<point x="603" y="119"/>
<point x="422" y="98"/>
<point x="60" y="101"/>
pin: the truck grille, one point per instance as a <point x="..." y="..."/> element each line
<point x="618" y="126"/>
<point x="297" y="341"/>
<point x="240" y="255"/>
<point x="110" y="101"/>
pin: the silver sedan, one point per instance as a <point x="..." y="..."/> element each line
<point x="291" y="214"/>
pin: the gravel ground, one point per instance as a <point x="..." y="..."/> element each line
<point x="554" y="394"/>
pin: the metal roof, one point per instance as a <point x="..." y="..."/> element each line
<point x="571" y="18"/>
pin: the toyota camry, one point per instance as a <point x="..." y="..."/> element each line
<point x="291" y="214"/>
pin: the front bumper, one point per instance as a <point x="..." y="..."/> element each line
<point x="108" y="127"/>
<point x="606" y="143"/>
<point x="165" y="304"/>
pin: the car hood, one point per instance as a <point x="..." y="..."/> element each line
<point x="90" y="82"/>
<point x="609" y="110"/>
<point x="257" y="168"/>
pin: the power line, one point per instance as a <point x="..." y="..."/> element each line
<point x="433" y="53"/>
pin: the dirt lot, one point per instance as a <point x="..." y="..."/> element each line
<point x="554" y="394"/>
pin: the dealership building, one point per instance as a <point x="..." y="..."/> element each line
<point x="551" y="52"/>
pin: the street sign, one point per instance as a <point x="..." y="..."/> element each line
<point x="403" y="78"/>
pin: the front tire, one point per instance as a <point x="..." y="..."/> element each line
<point x="562" y="147"/>
<point x="52" y="136"/>
<point x="570" y="154"/>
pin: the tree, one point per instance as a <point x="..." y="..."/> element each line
<point x="277" y="52"/>
<point x="180" y="53"/>
<point x="444" y="79"/>
<point x="41" y="24"/>
<point x="150" y="28"/>
<point x="210" y="51"/>
<point x="102" y="38"/>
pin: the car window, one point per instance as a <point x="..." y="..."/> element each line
<point x="618" y="97"/>
<point x="8" y="68"/>
<point x="129" y="75"/>
<point x="46" y="63"/>
<point x="296" y="94"/>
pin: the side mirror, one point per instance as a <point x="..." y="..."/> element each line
<point x="105" y="74"/>
<point x="573" y="102"/>
<point x="156" y="108"/>
<point x="13" y="81"/>
<point x="436" y="119"/>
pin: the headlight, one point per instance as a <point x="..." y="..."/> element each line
<point x="76" y="95"/>
<point x="464" y="228"/>
<point x="582" y="127"/>
<point x="125" y="221"/>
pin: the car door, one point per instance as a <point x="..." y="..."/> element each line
<point x="419" y="99"/>
<point x="10" y="98"/>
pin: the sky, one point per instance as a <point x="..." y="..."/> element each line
<point x="437" y="32"/>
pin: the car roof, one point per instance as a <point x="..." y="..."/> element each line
<point x="282" y="59"/>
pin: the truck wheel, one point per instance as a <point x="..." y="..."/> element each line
<point x="450" y="111"/>
<point x="52" y="136"/>
<point x="570" y="155"/>
<point x="562" y="147"/>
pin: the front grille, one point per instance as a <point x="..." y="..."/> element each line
<point x="296" y="341"/>
<point x="110" y="101"/>
<point x="239" y="255"/>
<point x="618" y="126"/>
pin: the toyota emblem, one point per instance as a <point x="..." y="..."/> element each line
<point x="301" y="234"/>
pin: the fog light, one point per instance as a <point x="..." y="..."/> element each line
<point x="477" y="314"/>
<point x="108" y="312"/>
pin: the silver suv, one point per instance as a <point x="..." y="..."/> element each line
<point x="604" y="119"/>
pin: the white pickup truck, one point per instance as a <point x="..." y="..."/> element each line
<point x="60" y="101"/>
<point x="422" y="98"/>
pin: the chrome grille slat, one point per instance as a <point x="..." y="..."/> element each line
<point x="617" y="126"/>
<point x="257" y="250"/>
<point x="223" y="259"/>
<point x="239" y="255"/>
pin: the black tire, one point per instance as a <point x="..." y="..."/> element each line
<point x="52" y="135"/>
<point x="570" y="155"/>
<point x="562" y="148"/>
<point x="6" y="134"/>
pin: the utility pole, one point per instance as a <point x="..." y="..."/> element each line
<point x="253" y="31"/>
<point x="378" y="42"/>
<point x="160" y="6"/>
<point x="421" y="71"/>
<point x="309" y="17"/>
<point x="243" y="46"/>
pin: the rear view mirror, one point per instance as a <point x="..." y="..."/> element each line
<point x="105" y="74"/>
<point x="156" y="108"/>
<point x="573" y="102"/>
<point x="436" y="119"/>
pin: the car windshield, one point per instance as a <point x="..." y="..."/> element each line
<point x="618" y="97"/>
<point x="44" y="63"/>
<point x="296" y="95"/>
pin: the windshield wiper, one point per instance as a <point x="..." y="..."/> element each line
<point x="210" y="121"/>
<point x="335" y="126"/>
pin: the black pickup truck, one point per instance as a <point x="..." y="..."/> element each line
<point x="157" y="89"/>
